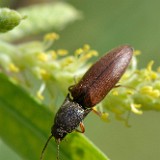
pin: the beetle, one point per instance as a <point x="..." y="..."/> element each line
<point x="89" y="91"/>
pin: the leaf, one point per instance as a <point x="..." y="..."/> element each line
<point x="25" y="126"/>
<point x="43" y="18"/>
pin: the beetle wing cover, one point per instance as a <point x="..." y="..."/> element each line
<point x="102" y="77"/>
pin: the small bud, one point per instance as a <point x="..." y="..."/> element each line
<point x="9" y="19"/>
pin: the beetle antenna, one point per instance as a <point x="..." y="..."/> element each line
<point x="45" y="146"/>
<point x="58" y="142"/>
<point x="57" y="151"/>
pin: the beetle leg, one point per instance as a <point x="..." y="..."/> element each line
<point x="116" y="86"/>
<point x="82" y="128"/>
<point x="75" y="82"/>
<point x="97" y="112"/>
<point x="70" y="88"/>
<point x="103" y="116"/>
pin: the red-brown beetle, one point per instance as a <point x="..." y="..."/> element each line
<point x="91" y="89"/>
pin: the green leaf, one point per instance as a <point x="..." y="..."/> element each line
<point x="25" y="126"/>
<point x="43" y="18"/>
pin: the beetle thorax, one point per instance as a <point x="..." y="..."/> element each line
<point x="67" y="118"/>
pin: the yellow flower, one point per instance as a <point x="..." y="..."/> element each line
<point x="40" y="91"/>
<point x="155" y="93"/>
<point x="137" y="52"/>
<point x="105" y="117"/>
<point x="42" y="57"/>
<point x="62" y="52"/>
<point x="40" y="96"/>
<point x="86" y="47"/>
<point x="79" y="51"/>
<point x="151" y="74"/>
<point x="44" y="74"/>
<point x="13" y="68"/>
<point x="148" y="90"/>
<point x="51" y="36"/>
<point x="135" y="108"/>
<point x="67" y="61"/>
<point x="115" y="93"/>
<point x="89" y="55"/>
<point x="53" y="54"/>
<point x="158" y="69"/>
<point x="149" y="66"/>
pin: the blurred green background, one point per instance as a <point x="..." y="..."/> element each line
<point x="107" y="24"/>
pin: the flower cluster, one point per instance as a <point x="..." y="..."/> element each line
<point x="139" y="91"/>
<point x="43" y="72"/>
<point x="47" y="74"/>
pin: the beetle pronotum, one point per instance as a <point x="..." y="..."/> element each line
<point x="89" y="91"/>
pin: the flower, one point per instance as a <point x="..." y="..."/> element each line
<point x="50" y="72"/>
